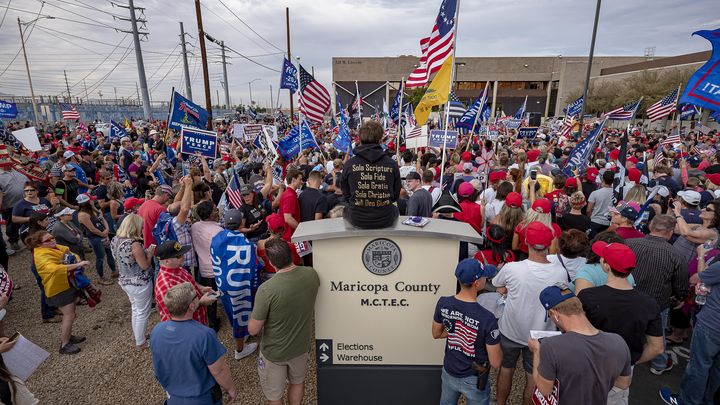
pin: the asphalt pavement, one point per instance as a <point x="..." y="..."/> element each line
<point x="645" y="385"/>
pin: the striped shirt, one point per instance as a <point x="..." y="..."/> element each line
<point x="168" y="278"/>
<point x="182" y="231"/>
<point x="660" y="273"/>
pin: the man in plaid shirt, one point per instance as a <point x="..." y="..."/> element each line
<point x="170" y="254"/>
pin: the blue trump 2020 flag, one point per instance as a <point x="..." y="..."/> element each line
<point x="288" y="78"/>
<point x="236" y="271"/>
<point x="342" y="140"/>
<point x="395" y="109"/>
<point x="703" y="88"/>
<point x="574" y="107"/>
<point x="290" y="145"/>
<point x="116" y="131"/>
<point x="185" y="113"/>
<point x="8" y="110"/>
<point x="521" y="111"/>
<point x="467" y="121"/>
<point x="578" y="157"/>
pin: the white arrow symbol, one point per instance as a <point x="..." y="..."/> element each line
<point x="324" y="347"/>
<point x="324" y="357"/>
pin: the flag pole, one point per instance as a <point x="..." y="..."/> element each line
<point x="589" y="67"/>
<point x="397" y="129"/>
<point x="480" y="107"/>
<point x="300" y="117"/>
<point x="452" y="79"/>
<point x="677" y="104"/>
<point x="357" y="97"/>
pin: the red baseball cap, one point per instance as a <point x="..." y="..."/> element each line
<point x="133" y="202"/>
<point x="465" y="189"/>
<point x="634" y="175"/>
<point x="497" y="176"/>
<point x="542" y="205"/>
<point x="591" y="173"/>
<point x="466" y="156"/>
<point x="633" y="159"/>
<point x="614" y="154"/>
<point x="514" y="200"/>
<point x="537" y="234"/>
<point x="532" y="155"/>
<point x="618" y="256"/>
<point x="571" y="182"/>
<point x="275" y="222"/>
<point x="714" y="178"/>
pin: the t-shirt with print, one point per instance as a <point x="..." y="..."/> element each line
<point x="523" y="310"/>
<point x="602" y="200"/>
<point x="585" y="367"/>
<point x="470" y="327"/>
<point x="640" y="315"/>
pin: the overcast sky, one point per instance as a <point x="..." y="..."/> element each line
<point x="320" y="29"/>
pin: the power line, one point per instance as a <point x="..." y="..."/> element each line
<point x="231" y="25"/>
<point x="249" y="27"/>
<point x="101" y="63"/>
<point x="27" y="38"/>
<point x="100" y="42"/>
<point x="70" y="42"/>
<point x="163" y="62"/>
<point x="101" y="24"/>
<point x="83" y="6"/>
<point x="102" y="80"/>
<point x="5" y="14"/>
<point x="255" y="62"/>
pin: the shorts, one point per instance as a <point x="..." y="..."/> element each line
<point x="273" y="375"/>
<point x="64" y="298"/>
<point x="511" y="353"/>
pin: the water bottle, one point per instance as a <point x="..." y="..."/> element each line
<point x="701" y="292"/>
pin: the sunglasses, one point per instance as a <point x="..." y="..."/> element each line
<point x="28" y="190"/>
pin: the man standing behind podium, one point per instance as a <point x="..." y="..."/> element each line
<point x="371" y="182"/>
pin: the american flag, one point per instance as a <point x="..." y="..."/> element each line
<point x="671" y="140"/>
<point x="314" y="98"/>
<point x="457" y="108"/>
<point x="411" y="128"/>
<point x="357" y="102"/>
<point x="437" y="47"/>
<point x="664" y="107"/>
<point x="462" y="338"/>
<point x="69" y="112"/>
<point x="659" y="157"/>
<point x="625" y="112"/>
<point x="233" y="192"/>
<point x="567" y="126"/>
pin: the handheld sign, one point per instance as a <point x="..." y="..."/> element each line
<point x="527" y="132"/>
<point x="439" y="138"/>
<point x="8" y="110"/>
<point x="196" y="140"/>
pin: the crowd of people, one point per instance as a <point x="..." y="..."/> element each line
<point x="621" y="271"/>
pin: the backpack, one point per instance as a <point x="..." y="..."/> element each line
<point x="164" y="229"/>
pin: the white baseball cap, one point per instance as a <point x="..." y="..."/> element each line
<point x="68" y="154"/>
<point x="689" y="196"/>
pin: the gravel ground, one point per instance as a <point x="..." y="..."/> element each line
<point x="109" y="370"/>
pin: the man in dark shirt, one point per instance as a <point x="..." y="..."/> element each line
<point x="472" y="336"/>
<point x="254" y="210"/>
<point x="313" y="204"/>
<point x="581" y="365"/>
<point x="661" y="274"/>
<point x="88" y="166"/>
<point x="617" y="308"/>
<point x="371" y="182"/>
<point x="420" y="202"/>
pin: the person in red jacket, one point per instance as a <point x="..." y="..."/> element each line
<point x="471" y="212"/>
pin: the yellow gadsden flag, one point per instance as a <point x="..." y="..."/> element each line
<point x="436" y="94"/>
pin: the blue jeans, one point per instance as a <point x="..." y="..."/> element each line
<point x="452" y="387"/>
<point x="101" y="251"/>
<point x="660" y="362"/>
<point x="702" y="375"/>
<point x="45" y="310"/>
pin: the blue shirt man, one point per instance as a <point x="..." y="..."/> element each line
<point x="187" y="356"/>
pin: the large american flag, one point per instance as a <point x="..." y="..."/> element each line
<point x="625" y="112"/>
<point x="69" y="112"/>
<point x="664" y="107"/>
<point x="314" y="98"/>
<point x="437" y="47"/>
<point x="671" y="140"/>
<point x="233" y="192"/>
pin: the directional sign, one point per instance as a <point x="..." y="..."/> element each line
<point x="324" y="351"/>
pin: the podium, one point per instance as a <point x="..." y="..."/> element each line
<point x="375" y="305"/>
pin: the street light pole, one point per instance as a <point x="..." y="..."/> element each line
<point x="27" y="68"/>
<point x="589" y="67"/>
<point x="250" y="88"/>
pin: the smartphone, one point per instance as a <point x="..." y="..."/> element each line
<point x="215" y="294"/>
<point x="533" y="175"/>
<point x="15" y="336"/>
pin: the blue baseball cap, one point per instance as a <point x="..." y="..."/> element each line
<point x="552" y="296"/>
<point x="470" y="269"/>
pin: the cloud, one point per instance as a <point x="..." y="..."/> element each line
<point x="321" y="29"/>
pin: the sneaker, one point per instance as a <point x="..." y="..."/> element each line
<point x="669" y="367"/>
<point x="69" y="348"/>
<point x="246" y="351"/>
<point x="77" y="339"/>
<point x="54" y="319"/>
<point x="668" y="397"/>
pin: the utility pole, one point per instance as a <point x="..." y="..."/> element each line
<point x="87" y="95"/>
<point x="137" y="91"/>
<point x="27" y="68"/>
<point x="227" y="87"/>
<point x="147" y="112"/>
<point x="217" y="93"/>
<point x="68" y="87"/>
<point x="287" y="29"/>
<point x="115" y="90"/>
<point x="203" y="54"/>
<point x="589" y="67"/>
<point x="272" y="105"/>
<point x="188" y="87"/>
